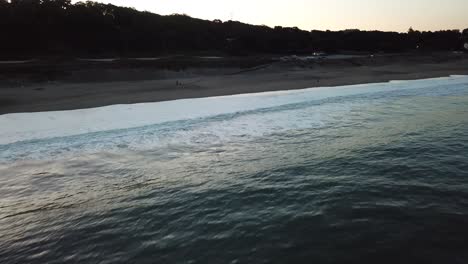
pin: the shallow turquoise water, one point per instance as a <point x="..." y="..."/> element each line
<point x="375" y="176"/>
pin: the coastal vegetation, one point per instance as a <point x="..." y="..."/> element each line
<point x="58" y="28"/>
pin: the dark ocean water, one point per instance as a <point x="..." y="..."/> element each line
<point x="373" y="177"/>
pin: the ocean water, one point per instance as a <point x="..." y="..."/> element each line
<point x="374" y="173"/>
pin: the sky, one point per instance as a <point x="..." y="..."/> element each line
<point x="386" y="15"/>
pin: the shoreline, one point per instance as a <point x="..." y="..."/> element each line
<point x="88" y="88"/>
<point x="21" y="127"/>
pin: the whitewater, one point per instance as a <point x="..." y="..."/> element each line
<point x="370" y="173"/>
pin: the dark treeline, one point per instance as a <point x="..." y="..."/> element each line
<point x="59" y="28"/>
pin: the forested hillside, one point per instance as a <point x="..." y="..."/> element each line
<point x="32" y="28"/>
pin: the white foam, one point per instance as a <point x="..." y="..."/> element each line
<point x="99" y="60"/>
<point x="145" y="59"/>
<point x="210" y="57"/>
<point x="40" y="125"/>
<point x="16" y="61"/>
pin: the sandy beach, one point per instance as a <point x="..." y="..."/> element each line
<point x="94" y="85"/>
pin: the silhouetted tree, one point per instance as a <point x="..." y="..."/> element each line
<point x="465" y="39"/>
<point x="465" y="33"/>
<point x="60" y="28"/>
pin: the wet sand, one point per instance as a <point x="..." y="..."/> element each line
<point x="86" y="88"/>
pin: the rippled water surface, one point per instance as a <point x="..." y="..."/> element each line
<point x="375" y="176"/>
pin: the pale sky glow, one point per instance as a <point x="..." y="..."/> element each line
<point x="394" y="15"/>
